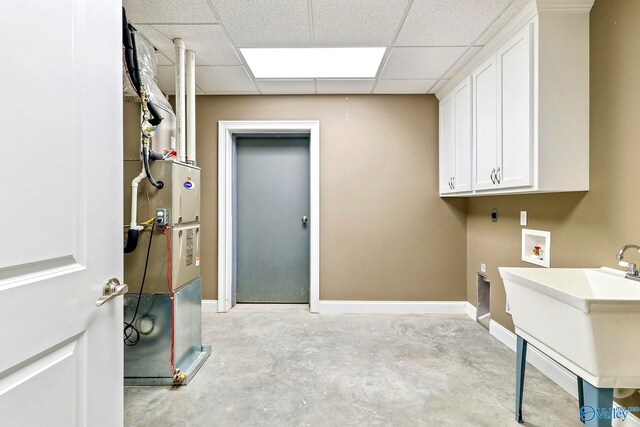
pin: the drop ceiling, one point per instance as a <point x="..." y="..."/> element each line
<point x="426" y="40"/>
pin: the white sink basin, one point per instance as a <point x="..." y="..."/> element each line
<point x="588" y="320"/>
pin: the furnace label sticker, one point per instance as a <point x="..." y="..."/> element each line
<point x="189" y="257"/>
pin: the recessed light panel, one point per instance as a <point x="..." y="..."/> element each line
<point x="299" y="63"/>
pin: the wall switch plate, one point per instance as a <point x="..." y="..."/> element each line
<point x="494" y="215"/>
<point x="483" y="267"/>
<point x="162" y="216"/>
<point x="523" y="217"/>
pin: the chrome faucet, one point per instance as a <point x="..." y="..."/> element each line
<point x="632" y="268"/>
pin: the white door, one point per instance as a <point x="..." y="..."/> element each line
<point x="447" y="145"/>
<point x="485" y="125"/>
<point x="462" y="136"/>
<point x="61" y="213"/>
<point x="515" y="131"/>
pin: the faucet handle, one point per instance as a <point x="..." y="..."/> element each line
<point x="632" y="268"/>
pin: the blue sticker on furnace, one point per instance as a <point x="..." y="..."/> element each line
<point x="188" y="185"/>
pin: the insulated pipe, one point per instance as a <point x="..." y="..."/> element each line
<point x="180" y="101"/>
<point x="191" y="107"/>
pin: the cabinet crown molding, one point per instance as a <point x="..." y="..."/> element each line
<point x="531" y="9"/>
<point x="565" y="5"/>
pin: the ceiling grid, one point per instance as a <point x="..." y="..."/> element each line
<point x="426" y="41"/>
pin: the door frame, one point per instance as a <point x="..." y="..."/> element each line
<point x="227" y="131"/>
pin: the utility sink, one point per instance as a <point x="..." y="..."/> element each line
<point x="588" y="320"/>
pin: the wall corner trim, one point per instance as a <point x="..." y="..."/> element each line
<point x="209" y="306"/>
<point x="392" y="307"/>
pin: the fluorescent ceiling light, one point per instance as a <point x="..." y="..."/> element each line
<point x="334" y="62"/>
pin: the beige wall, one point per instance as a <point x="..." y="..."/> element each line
<point x="385" y="233"/>
<point x="587" y="229"/>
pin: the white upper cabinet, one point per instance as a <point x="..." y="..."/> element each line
<point x="462" y="124"/>
<point x="455" y="140"/>
<point x="447" y="146"/>
<point x="515" y="87"/>
<point x="517" y="114"/>
<point x="485" y="125"/>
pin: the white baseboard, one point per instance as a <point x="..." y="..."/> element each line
<point x="209" y="306"/>
<point x="471" y="311"/>
<point x="393" y="307"/>
<point x="554" y="371"/>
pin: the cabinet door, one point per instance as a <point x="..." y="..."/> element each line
<point x="515" y="108"/>
<point x="485" y="123"/>
<point x="447" y="144"/>
<point x="462" y="137"/>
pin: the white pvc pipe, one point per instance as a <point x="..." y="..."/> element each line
<point x="180" y="98"/>
<point x="134" y="200"/>
<point x="191" y="107"/>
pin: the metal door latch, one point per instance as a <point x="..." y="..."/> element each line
<point x="112" y="289"/>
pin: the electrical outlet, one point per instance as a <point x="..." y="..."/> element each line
<point x="483" y="267"/>
<point x="523" y="217"/>
<point x="162" y="216"/>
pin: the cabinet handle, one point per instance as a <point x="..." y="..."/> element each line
<point x="492" y="176"/>
<point x="450" y="184"/>
<point x="498" y="175"/>
<point x="453" y="183"/>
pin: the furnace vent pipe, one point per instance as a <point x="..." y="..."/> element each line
<point x="180" y="98"/>
<point x="191" y="107"/>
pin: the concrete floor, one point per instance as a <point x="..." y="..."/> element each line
<point x="279" y="365"/>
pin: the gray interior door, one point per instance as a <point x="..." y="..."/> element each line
<point x="272" y="195"/>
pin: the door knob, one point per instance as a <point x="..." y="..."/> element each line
<point x="112" y="289"/>
<point x="304" y="220"/>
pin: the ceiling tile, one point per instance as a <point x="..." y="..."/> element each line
<point x="404" y="86"/>
<point x="438" y="85"/>
<point x="167" y="79"/>
<point x="511" y="11"/>
<point x="169" y="12"/>
<point x="462" y="61"/>
<point x="448" y="23"/>
<point x="420" y="62"/>
<point x="345" y="87"/>
<point x="265" y="23"/>
<point x="286" y="86"/>
<point x="219" y="79"/>
<point x="356" y="22"/>
<point x="208" y="42"/>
